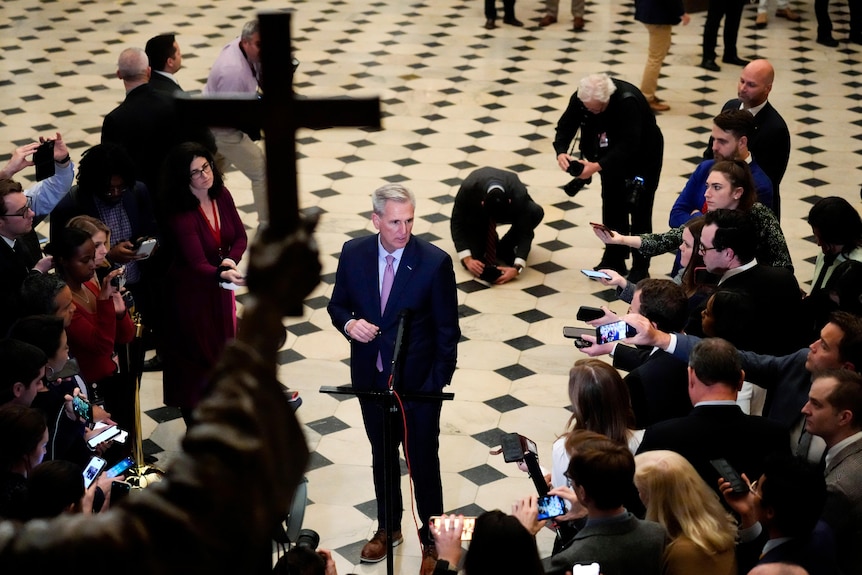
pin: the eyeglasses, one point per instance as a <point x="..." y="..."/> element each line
<point x="117" y="190"/>
<point x="703" y="249"/>
<point x="205" y="169"/>
<point x="23" y="212"/>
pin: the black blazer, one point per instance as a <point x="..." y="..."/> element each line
<point x="658" y="384"/>
<point x="719" y="431"/>
<point x="163" y="84"/>
<point x="14" y="268"/>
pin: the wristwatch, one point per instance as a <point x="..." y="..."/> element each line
<point x="520" y="268"/>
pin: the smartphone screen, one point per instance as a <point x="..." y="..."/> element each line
<point x="121" y="467"/>
<point x="467" y="526"/>
<point x="82" y="408"/>
<point x="551" y="506"/>
<point x="106" y="434"/>
<point x="613" y="332"/>
<point x="94" y="467"/>
<point x="119" y="490"/>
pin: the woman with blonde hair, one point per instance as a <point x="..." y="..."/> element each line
<point x="702" y="532"/>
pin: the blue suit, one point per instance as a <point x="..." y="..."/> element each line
<point x="425" y="284"/>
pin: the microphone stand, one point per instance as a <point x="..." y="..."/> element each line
<point x="390" y="414"/>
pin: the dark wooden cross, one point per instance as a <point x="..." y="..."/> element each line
<point x="280" y="114"/>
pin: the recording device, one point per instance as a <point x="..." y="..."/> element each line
<point x="119" y="491"/>
<point x="577" y="333"/>
<point x="587" y="313"/>
<point x="490" y="274"/>
<point x="403" y="318"/>
<point x="614" y="331"/>
<point x="515" y="447"/>
<point x="577" y="184"/>
<point x="726" y="471"/>
<point x="575" y="169"/>
<point x="119" y="280"/>
<point x="591" y="569"/>
<point x="82" y="409"/>
<point x="594" y="275"/>
<point x="144" y="248"/>
<point x="635" y="188"/>
<point x="551" y="506"/>
<point x="43" y="159"/>
<point x="120" y="467"/>
<point x="601" y="227"/>
<point x="93" y="469"/>
<point x="308" y="538"/>
<point x="467" y="526"/>
<point x="107" y="433"/>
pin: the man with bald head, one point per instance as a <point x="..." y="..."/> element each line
<point x="770" y="143"/>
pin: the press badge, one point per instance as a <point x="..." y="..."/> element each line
<point x="603" y="140"/>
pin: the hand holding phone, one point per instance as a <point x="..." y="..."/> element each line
<point x="550" y="506"/>
<point x="120" y="467"/>
<point x="93" y="469"/>
<point x="105" y="434"/>
<point x="445" y="523"/>
<point x="145" y="248"/>
<point x="82" y="409"/>
<point x="729" y="474"/>
<point x="594" y="275"/>
<point x="43" y="159"/>
<point x="614" y="332"/>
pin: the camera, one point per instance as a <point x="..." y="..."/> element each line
<point x="575" y="169"/>
<point x="635" y="187"/>
<point x="308" y="538"/>
<point x="577" y="184"/>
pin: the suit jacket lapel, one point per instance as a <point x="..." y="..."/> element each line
<point x="848" y="451"/>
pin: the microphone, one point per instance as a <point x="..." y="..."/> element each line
<point x="403" y="318"/>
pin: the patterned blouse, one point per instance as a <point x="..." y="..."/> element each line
<point x="771" y="246"/>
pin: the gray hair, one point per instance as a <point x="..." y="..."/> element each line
<point x="598" y="87"/>
<point x="394" y="192"/>
<point x="133" y="64"/>
<point x="249" y="29"/>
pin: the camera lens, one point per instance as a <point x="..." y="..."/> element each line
<point x="308" y="538"/>
<point x="575" y="169"/>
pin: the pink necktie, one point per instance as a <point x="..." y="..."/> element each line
<point x="388" y="279"/>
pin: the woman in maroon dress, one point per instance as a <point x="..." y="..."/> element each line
<point x="208" y="240"/>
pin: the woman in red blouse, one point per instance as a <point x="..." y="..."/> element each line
<point x="99" y="324"/>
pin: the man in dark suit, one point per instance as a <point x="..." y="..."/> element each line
<point x="770" y="143"/>
<point x="166" y="59"/>
<point x="619" y="141"/>
<point x="145" y="123"/>
<point x="601" y="472"/>
<point x="488" y="197"/>
<point x="717" y="428"/>
<point x="834" y="412"/>
<point x="17" y="259"/>
<point x="728" y="243"/>
<point x="414" y="282"/>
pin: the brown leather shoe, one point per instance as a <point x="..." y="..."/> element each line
<point x="490" y="24"/>
<point x="547" y="20"/>
<point x="657" y="106"/>
<point x="375" y="550"/>
<point x="789" y="14"/>
<point x="761" y="20"/>
<point x="429" y="560"/>
<point x="578" y="24"/>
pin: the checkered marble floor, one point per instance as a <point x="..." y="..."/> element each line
<point x="455" y="97"/>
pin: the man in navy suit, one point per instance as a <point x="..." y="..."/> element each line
<point x="424" y="284"/>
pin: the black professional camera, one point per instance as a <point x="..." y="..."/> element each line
<point x="635" y="187"/>
<point x="308" y="538"/>
<point x="575" y="169"/>
<point x="576" y="185"/>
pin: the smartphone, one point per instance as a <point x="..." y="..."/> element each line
<point x="43" y="159"/>
<point x="594" y="275"/>
<point x="93" y="469"/>
<point x="726" y="470"/>
<point x="602" y="227"/>
<point x="591" y="569"/>
<point x="82" y="408"/>
<point x="551" y="506"/>
<point x="614" y="331"/>
<point x="119" y="490"/>
<point x="107" y="433"/>
<point x="119" y="280"/>
<point x="146" y="248"/>
<point x="490" y="274"/>
<point x="121" y="467"/>
<point x="467" y="526"/>
<point x="121" y="437"/>
<point x="587" y="313"/>
<point x="576" y="332"/>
